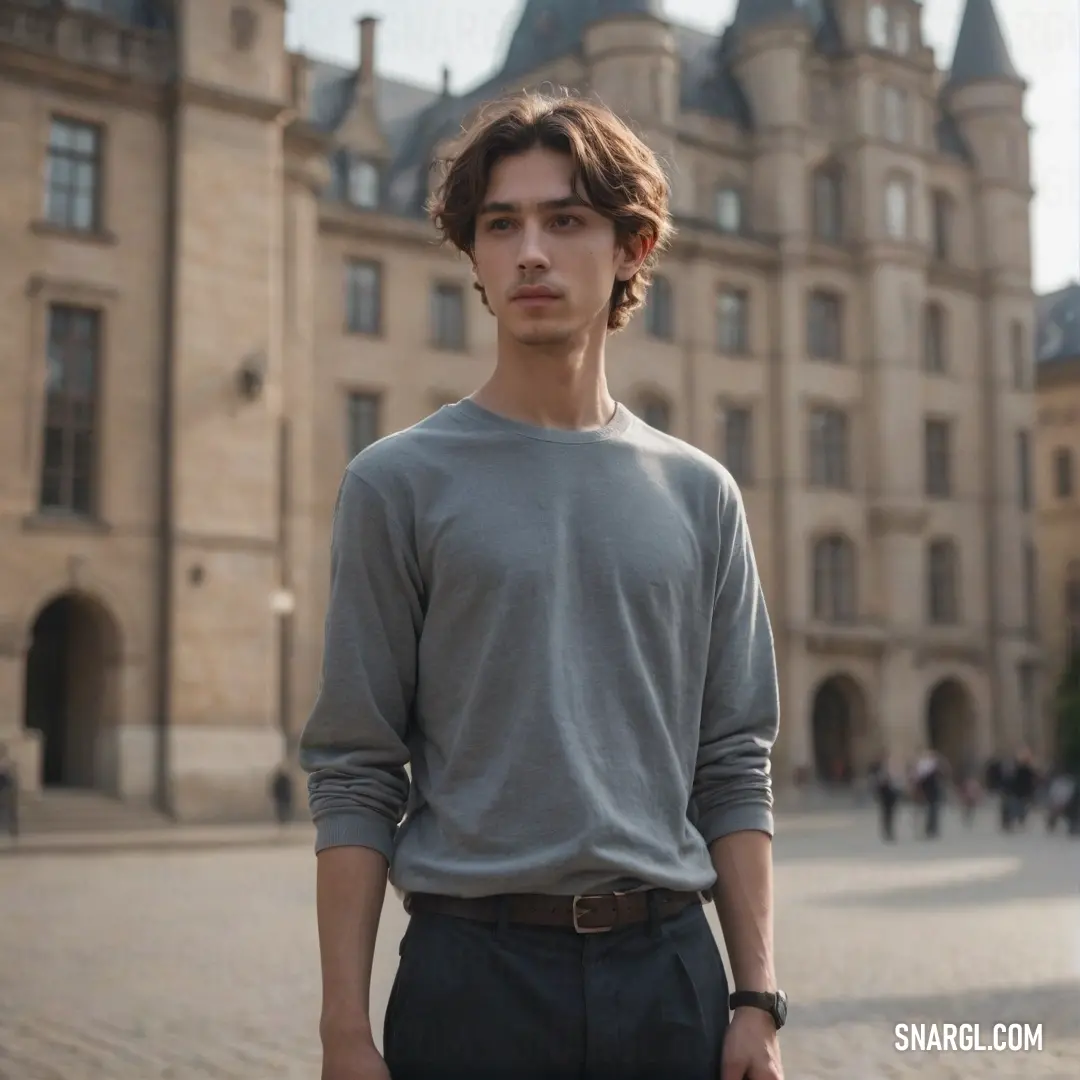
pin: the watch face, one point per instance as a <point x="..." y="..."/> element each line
<point x="781" y="1008"/>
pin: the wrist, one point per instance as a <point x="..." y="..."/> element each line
<point x="345" y="1023"/>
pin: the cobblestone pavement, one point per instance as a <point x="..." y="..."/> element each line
<point x="185" y="964"/>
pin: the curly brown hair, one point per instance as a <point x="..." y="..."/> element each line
<point x="618" y="175"/>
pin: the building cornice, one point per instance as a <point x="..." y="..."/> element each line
<point x="207" y="95"/>
<point x="81" y="80"/>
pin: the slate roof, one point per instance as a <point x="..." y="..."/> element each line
<point x="416" y="119"/>
<point x="1057" y="317"/>
<point x="981" y="53"/>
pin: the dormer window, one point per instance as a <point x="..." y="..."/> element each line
<point x="363" y="186"/>
<point x="902" y="35"/>
<point x="729" y="210"/>
<point x="877" y="26"/>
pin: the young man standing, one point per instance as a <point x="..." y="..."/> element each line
<point x="552" y="611"/>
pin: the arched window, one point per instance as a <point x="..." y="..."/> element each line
<point x="834" y="573"/>
<point x="660" y="309"/>
<point x="828" y="203"/>
<point x="729" y="210"/>
<point x="655" y="411"/>
<point x="942" y="574"/>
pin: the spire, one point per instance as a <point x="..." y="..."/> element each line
<point x="981" y="53"/>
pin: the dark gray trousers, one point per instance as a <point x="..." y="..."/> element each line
<point x="478" y="1001"/>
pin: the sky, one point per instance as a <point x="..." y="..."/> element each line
<point x="417" y="38"/>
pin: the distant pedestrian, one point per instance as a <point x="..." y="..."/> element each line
<point x="281" y="793"/>
<point x="930" y="783"/>
<point x="887" y="790"/>
<point x="9" y="793"/>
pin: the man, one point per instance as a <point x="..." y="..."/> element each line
<point x="552" y="611"/>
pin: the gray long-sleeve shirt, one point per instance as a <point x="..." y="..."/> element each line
<point x="563" y="633"/>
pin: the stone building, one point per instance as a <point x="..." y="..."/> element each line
<point x="218" y="284"/>
<point x="1057" y="479"/>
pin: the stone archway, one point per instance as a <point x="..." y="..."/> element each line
<point x="71" y="688"/>
<point x="950" y="725"/>
<point x="838" y="729"/>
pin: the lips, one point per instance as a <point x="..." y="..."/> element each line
<point x="535" y="292"/>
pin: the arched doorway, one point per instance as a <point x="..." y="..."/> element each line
<point x="950" y="725"/>
<point x="838" y="721"/>
<point x="70" y="687"/>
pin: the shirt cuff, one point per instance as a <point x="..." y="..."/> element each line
<point x="355" y="830"/>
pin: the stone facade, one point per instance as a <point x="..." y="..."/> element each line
<point x="1057" y="482"/>
<point x="230" y="239"/>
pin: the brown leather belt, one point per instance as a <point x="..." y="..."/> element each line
<point x="583" y="914"/>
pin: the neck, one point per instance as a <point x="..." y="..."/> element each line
<point x="562" y="385"/>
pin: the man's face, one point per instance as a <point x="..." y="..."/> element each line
<point x="547" y="261"/>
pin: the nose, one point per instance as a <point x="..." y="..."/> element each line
<point x="532" y="255"/>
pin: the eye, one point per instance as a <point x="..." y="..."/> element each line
<point x="499" y="224"/>
<point x="566" y="221"/>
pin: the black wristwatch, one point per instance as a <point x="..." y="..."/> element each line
<point x="774" y="1004"/>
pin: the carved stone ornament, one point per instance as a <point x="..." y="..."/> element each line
<point x="245" y="25"/>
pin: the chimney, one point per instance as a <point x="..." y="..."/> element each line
<point x="446" y="81"/>
<point x="300" y="83"/>
<point x="367" y="50"/>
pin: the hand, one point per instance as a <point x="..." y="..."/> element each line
<point x="751" y="1047"/>
<point x="352" y="1057"/>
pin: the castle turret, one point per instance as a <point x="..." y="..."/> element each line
<point x="632" y="62"/>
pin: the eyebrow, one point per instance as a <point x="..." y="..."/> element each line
<point x="549" y="204"/>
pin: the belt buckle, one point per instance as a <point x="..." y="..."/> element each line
<point x="577" y="913"/>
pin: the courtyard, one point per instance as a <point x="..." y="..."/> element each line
<point x="191" y="964"/>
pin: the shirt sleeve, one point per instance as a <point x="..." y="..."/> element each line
<point x="741" y="707"/>
<point x="354" y="745"/>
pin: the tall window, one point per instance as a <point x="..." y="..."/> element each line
<point x="877" y="26"/>
<point x="73" y="175"/>
<point x="363" y="421"/>
<point x="729" y="210"/>
<point x="737" y="442"/>
<point x="894" y="106"/>
<point x="824" y="326"/>
<point x="829" y="448"/>
<point x="937" y="450"/>
<point x="942" y="582"/>
<point x="1018" y="355"/>
<point x="897" y="208"/>
<point x="363" y="297"/>
<point x="1064" y="482"/>
<point x="363" y="187"/>
<point x="448" y="316"/>
<point x="660" y="310"/>
<point x="732" y="316"/>
<point x="828" y="204"/>
<point x="942" y="212"/>
<point x="1023" y="469"/>
<point x="834" y="580"/>
<point x="655" y="411"/>
<point x="1031" y="584"/>
<point x="71" y="410"/>
<point x="935" y="346"/>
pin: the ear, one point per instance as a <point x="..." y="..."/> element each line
<point x="632" y="255"/>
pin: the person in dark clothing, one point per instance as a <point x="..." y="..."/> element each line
<point x="281" y="793"/>
<point x="1025" y="782"/>
<point x="887" y="793"/>
<point x="930" y="783"/>
<point x="9" y="794"/>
